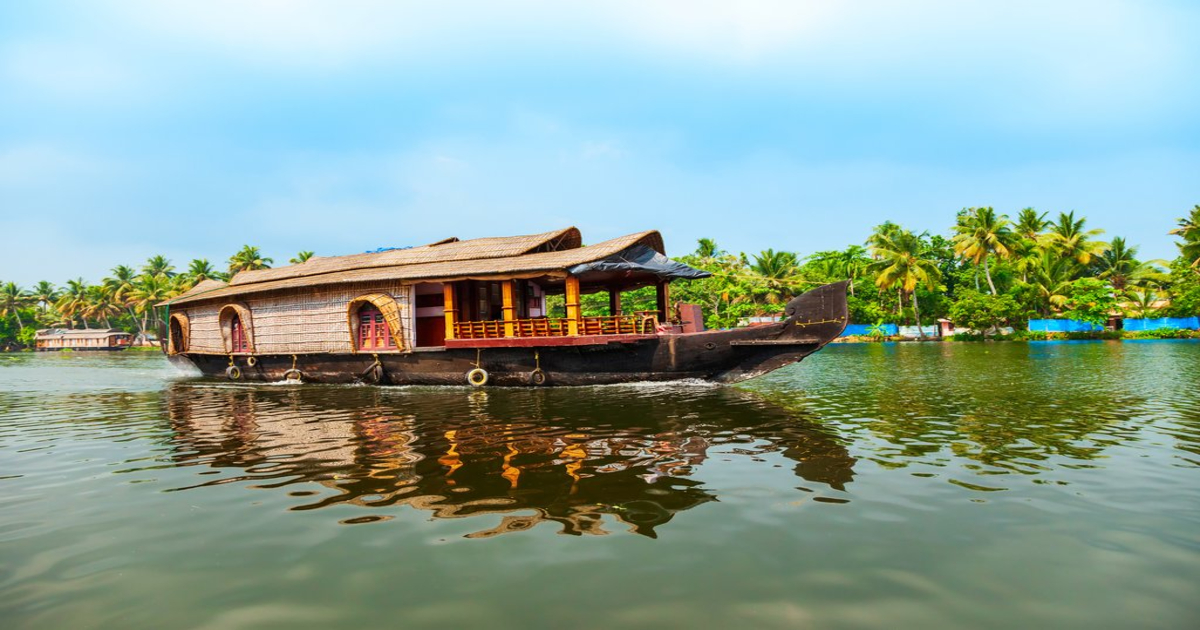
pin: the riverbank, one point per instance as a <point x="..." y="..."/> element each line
<point x="1025" y="335"/>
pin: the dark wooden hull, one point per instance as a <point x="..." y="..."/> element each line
<point x="726" y="356"/>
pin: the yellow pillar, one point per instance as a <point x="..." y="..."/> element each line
<point x="509" y="310"/>
<point x="663" y="295"/>
<point x="450" y="303"/>
<point x="572" y="301"/>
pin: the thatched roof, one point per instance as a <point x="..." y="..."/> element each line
<point x="550" y="253"/>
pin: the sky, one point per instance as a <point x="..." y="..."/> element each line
<point x="141" y="127"/>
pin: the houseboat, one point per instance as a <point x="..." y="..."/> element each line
<point x="475" y="311"/>
<point x="88" y="339"/>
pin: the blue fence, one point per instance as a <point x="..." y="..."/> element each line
<point x="1062" y="326"/>
<point x="863" y="329"/>
<point x="1189" y="323"/>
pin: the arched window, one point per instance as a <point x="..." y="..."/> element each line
<point x="177" y="333"/>
<point x="237" y="329"/>
<point x="373" y="331"/>
<point x="238" y="340"/>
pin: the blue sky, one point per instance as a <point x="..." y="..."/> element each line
<point x="191" y="128"/>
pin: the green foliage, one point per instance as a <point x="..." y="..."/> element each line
<point x="1091" y="301"/>
<point x="985" y="313"/>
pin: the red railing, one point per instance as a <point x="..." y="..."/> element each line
<point x="640" y="324"/>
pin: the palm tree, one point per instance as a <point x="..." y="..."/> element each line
<point x="981" y="234"/>
<point x="1143" y="299"/>
<point x="122" y="283"/>
<point x="102" y="303"/>
<point x="73" y="301"/>
<point x="12" y="299"/>
<point x="778" y="270"/>
<point x="150" y="291"/>
<point x="1120" y="266"/>
<point x="200" y="270"/>
<point x="1050" y="281"/>
<point x="1068" y="237"/>
<point x="301" y="257"/>
<point x="706" y="248"/>
<point x="158" y="266"/>
<point x="247" y="259"/>
<point x="900" y="262"/>
<point x="1189" y="229"/>
<point x="44" y="293"/>
<point x="1030" y="224"/>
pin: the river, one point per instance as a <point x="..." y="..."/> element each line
<point x="997" y="485"/>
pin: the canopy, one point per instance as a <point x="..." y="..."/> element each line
<point x="639" y="258"/>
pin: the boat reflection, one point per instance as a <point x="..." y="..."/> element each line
<point x="578" y="457"/>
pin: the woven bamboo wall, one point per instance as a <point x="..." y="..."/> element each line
<point x="296" y="320"/>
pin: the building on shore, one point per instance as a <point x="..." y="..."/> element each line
<point x="88" y="339"/>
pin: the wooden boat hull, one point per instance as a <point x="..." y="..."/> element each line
<point x="728" y="356"/>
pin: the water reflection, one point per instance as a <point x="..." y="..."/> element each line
<point x="627" y="455"/>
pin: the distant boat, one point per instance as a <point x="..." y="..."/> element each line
<point x="475" y="311"/>
<point x="51" y="339"/>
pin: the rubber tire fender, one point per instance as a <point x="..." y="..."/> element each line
<point x="537" y="377"/>
<point x="373" y="374"/>
<point x="477" y="377"/>
<point x="233" y="373"/>
<point x="293" y="375"/>
<point x="251" y="361"/>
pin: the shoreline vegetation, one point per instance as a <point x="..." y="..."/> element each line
<point x="990" y="273"/>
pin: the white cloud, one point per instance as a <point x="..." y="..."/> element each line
<point x="65" y="70"/>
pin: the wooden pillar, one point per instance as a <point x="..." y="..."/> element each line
<point x="450" y="304"/>
<point x="509" y="310"/>
<point x="614" y="301"/>
<point x="572" y="303"/>
<point x="663" y="301"/>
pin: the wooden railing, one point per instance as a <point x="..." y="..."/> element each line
<point x="640" y="324"/>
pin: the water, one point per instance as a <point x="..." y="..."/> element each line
<point x="934" y="486"/>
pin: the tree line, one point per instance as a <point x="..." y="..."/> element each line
<point x="989" y="271"/>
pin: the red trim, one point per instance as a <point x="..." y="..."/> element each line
<point x="534" y="342"/>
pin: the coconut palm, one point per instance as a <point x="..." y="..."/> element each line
<point x="12" y="299"/>
<point x="102" y="303"/>
<point x="247" y="259"/>
<point x="979" y="235"/>
<point x="706" y="248"/>
<point x="900" y="262"/>
<point x="1189" y="230"/>
<point x="1120" y="266"/>
<point x="158" y="266"/>
<point x="1143" y="299"/>
<point x="1050" y="281"/>
<point x="149" y="291"/>
<point x="301" y="257"/>
<point x="1069" y="238"/>
<point x="73" y="301"/>
<point x="200" y="270"/>
<point x="44" y="293"/>
<point x="779" y="272"/>
<point x="1030" y="224"/>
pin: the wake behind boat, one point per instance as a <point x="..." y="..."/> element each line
<point x="475" y="311"/>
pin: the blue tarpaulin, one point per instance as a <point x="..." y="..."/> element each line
<point x="864" y="329"/>
<point x="1062" y="325"/>
<point x="1188" y="323"/>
